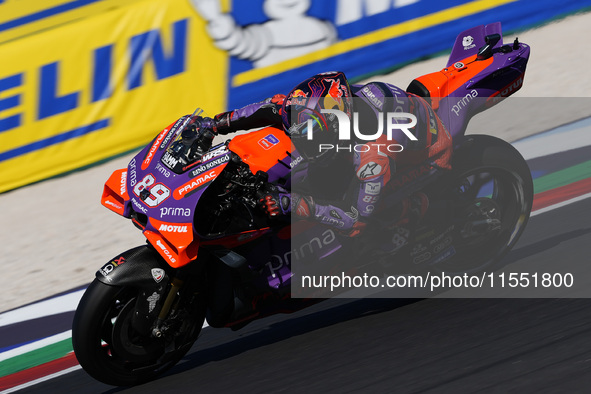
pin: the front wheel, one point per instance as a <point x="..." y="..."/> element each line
<point x="110" y="350"/>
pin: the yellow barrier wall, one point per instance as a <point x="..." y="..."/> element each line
<point x="102" y="85"/>
<point x="19" y="18"/>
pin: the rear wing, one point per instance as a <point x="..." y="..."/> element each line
<point x="480" y="72"/>
<point x="469" y="42"/>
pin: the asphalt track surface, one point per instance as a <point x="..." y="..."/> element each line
<point x="388" y="345"/>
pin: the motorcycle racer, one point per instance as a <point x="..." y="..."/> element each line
<point x="367" y="167"/>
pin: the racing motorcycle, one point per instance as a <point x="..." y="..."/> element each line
<point x="212" y="253"/>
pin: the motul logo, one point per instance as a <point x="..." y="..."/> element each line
<point x="123" y="186"/>
<point x="172" y="229"/>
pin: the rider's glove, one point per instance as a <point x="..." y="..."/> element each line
<point x="202" y="125"/>
<point x="303" y="206"/>
<point x="275" y="201"/>
<point x="208" y="124"/>
<point x="201" y="132"/>
<point x="221" y="123"/>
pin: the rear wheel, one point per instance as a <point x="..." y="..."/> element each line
<point x="111" y="351"/>
<point x="492" y="190"/>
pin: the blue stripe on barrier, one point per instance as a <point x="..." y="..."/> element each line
<point x="56" y="139"/>
<point x="14" y="346"/>
<point x="36" y="16"/>
<point x="394" y="52"/>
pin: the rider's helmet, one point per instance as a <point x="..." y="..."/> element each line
<point x="304" y="121"/>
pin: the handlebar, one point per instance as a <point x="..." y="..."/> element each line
<point x="196" y="139"/>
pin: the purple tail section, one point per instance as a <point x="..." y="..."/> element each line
<point x="470" y="41"/>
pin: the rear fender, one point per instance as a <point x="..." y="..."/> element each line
<point x="140" y="267"/>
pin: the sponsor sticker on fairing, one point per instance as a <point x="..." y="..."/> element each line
<point x="158" y="274"/>
<point x="172" y="132"/>
<point x="268" y="141"/>
<point x="194" y="184"/>
<point x="170" y="228"/>
<point x="296" y="161"/>
<point x="110" y="266"/>
<point x="468" y="42"/>
<point x="208" y="166"/>
<point x="150" y="154"/>
<point x="113" y="204"/>
<point x="214" y="153"/>
<point x="174" y="211"/>
<point x="169" y="160"/>
<point x="166" y="252"/>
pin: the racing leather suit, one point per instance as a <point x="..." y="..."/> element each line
<point x="375" y="168"/>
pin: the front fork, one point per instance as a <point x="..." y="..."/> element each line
<point x="159" y="310"/>
<point x="175" y="287"/>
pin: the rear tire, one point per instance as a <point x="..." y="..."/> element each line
<point x="505" y="196"/>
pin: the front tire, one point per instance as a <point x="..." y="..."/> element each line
<point x="106" y="345"/>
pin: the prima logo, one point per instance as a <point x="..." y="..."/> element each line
<point x="304" y="250"/>
<point x="132" y="173"/>
<point x="333" y="222"/>
<point x="162" y="170"/>
<point x="464" y="101"/>
<point x="169" y="211"/>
